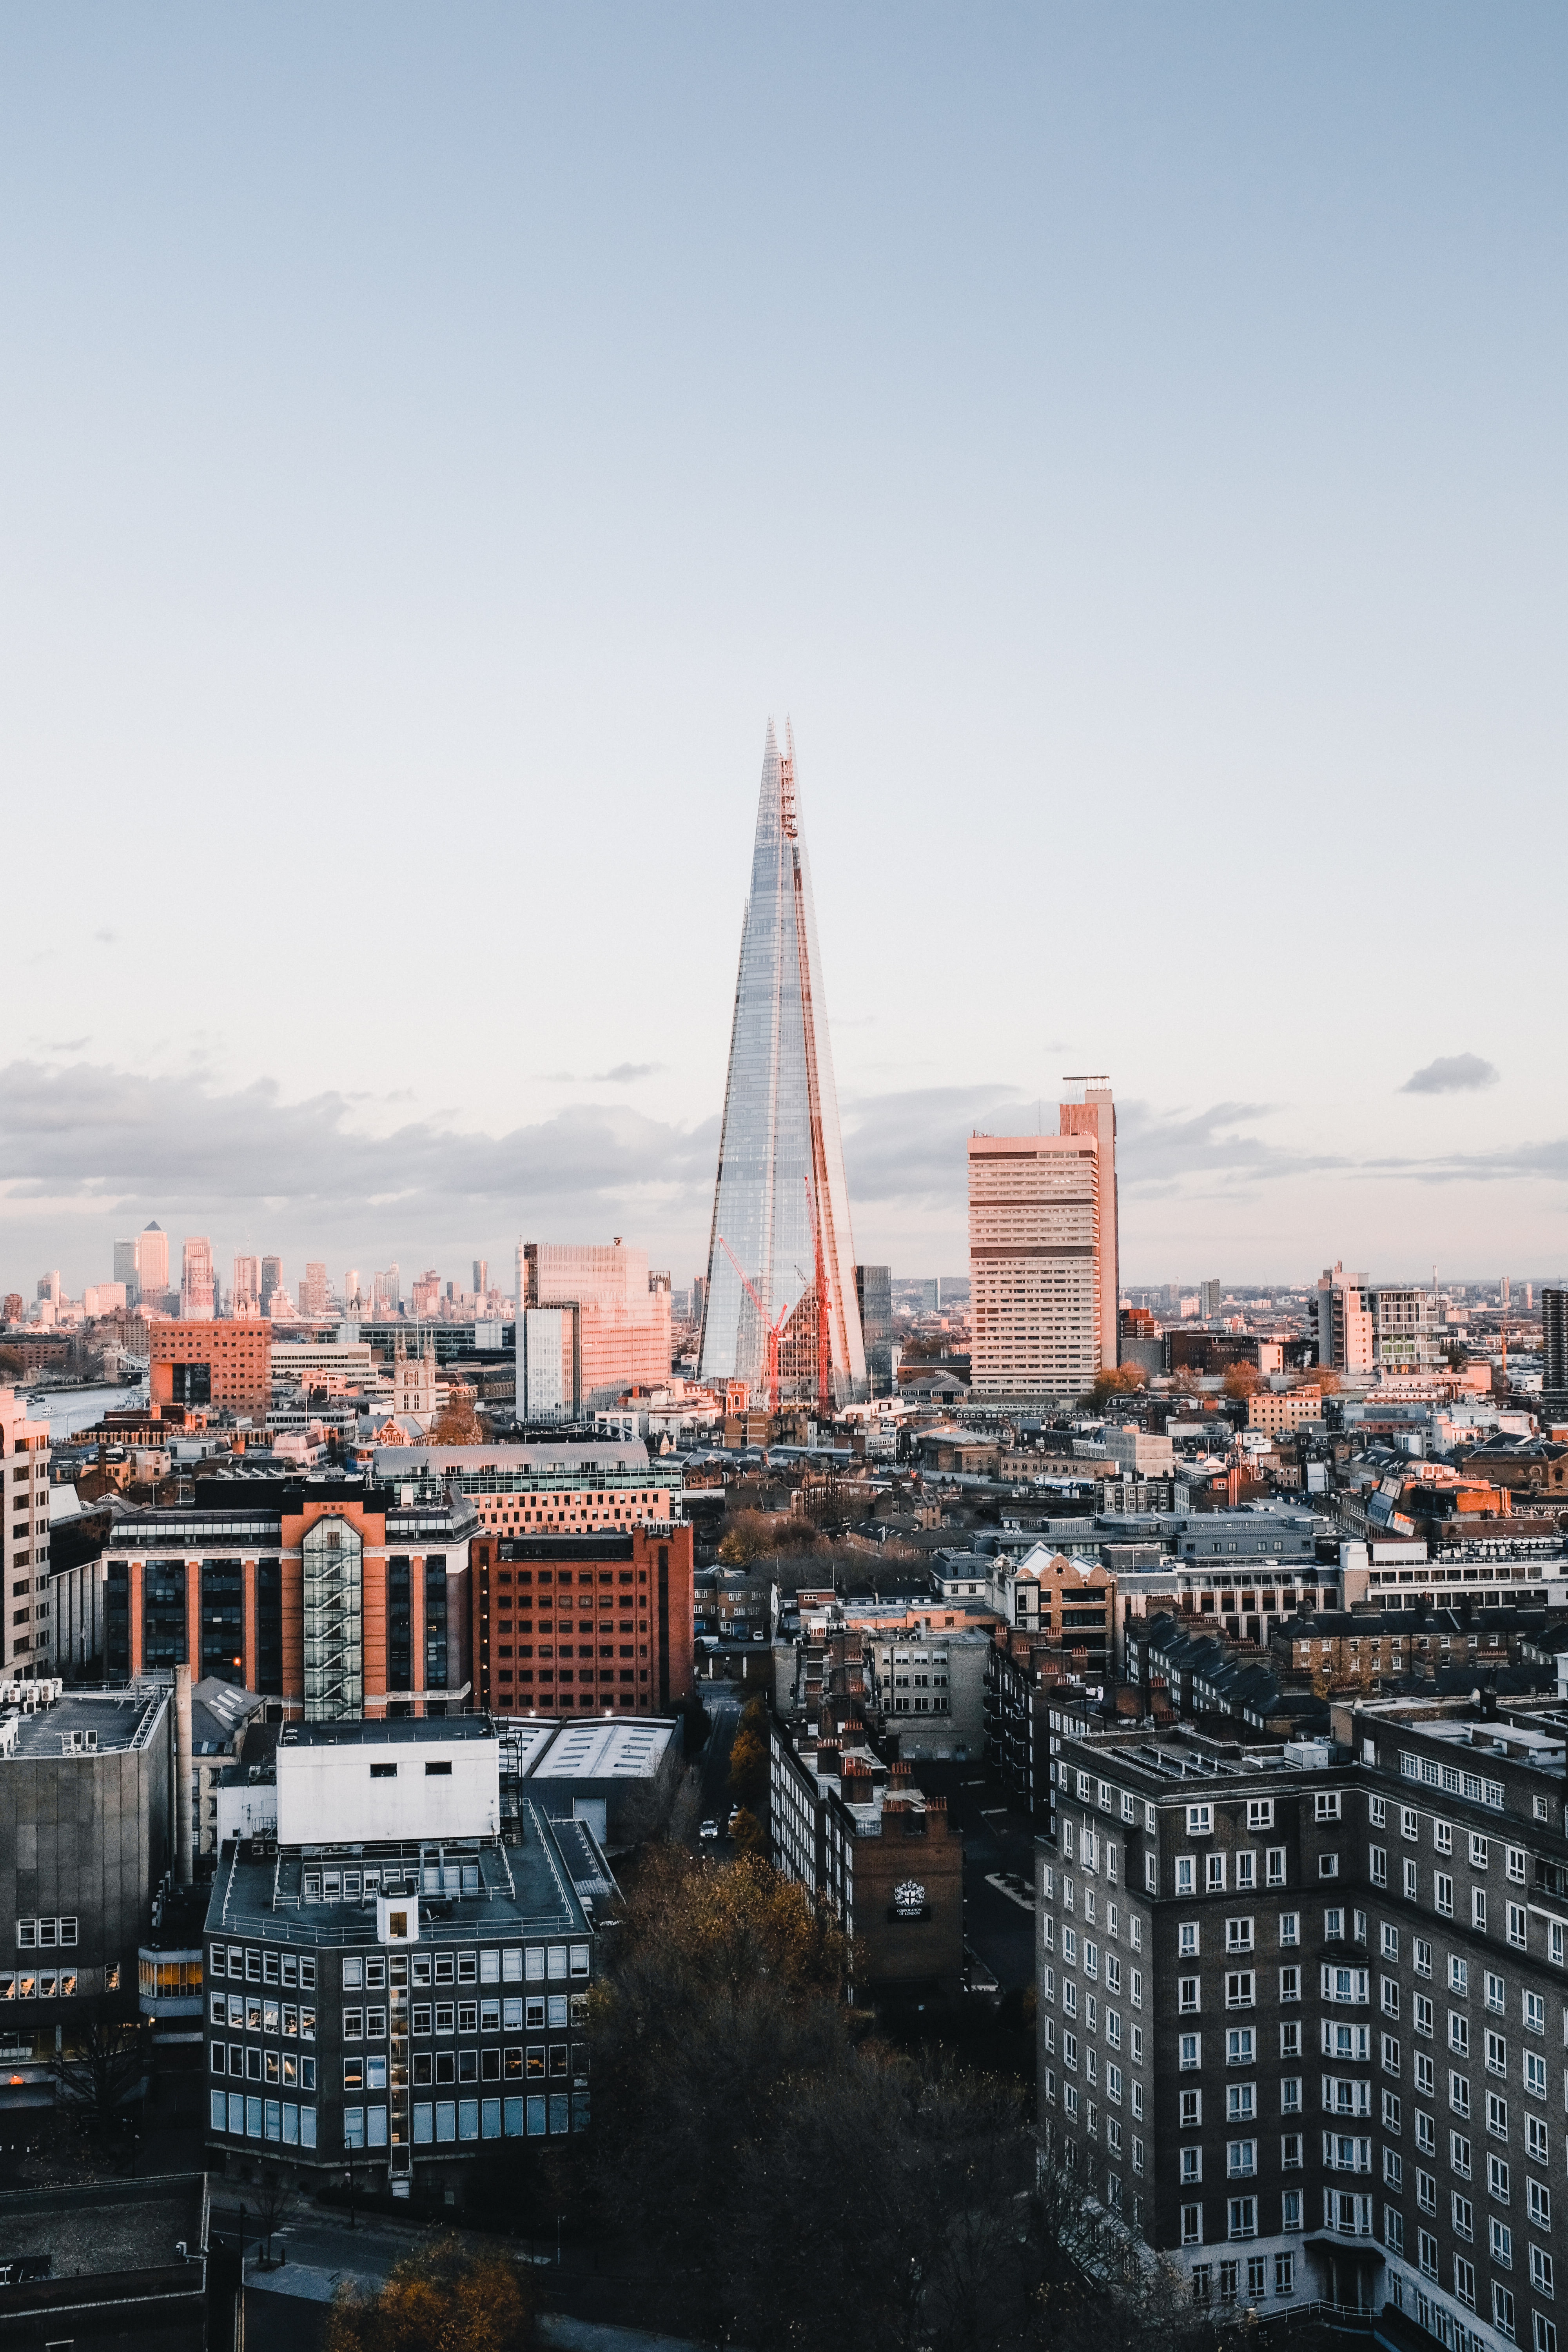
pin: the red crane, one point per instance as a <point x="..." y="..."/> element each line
<point x="770" y="1330"/>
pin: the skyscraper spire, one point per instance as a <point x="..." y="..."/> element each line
<point x="781" y="1311"/>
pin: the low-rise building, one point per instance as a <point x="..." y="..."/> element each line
<point x="392" y="1996"/>
<point x="86" y="1845"/>
<point x="864" y="1839"/>
<point x="203" y="1362"/>
<point x="120" y="2263"/>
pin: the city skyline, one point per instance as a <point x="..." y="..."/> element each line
<point x="1159" y="524"/>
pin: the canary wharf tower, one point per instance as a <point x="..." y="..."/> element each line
<point x="780" y="1312"/>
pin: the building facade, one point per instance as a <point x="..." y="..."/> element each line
<point x="582" y="1624"/>
<point x="200" y="1361"/>
<point x="390" y="1996"/>
<point x="780" y="1310"/>
<point x="862" y="1837"/>
<point x="86" y="1840"/>
<point x="1036" y="1267"/>
<point x="1346" y="1326"/>
<point x="592" y="1323"/>
<point x="26" y="1627"/>
<point x="335" y="1597"/>
<point x="198" y="1285"/>
<point x="1302" y="2010"/>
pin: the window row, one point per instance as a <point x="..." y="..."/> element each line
<point x="247" y="2064"/>
<point x="253" y="2013"/>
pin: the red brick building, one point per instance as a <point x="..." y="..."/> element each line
<point x="582" y="1624"/>
<point x="212" y="1363"/>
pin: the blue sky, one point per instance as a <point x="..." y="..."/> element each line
<point x="1127" y="441"/>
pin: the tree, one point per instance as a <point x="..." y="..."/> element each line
<point x="456" y="1425"/>
<point x="747" y="1833"/>
<point x="107" y="2060"/>
<point x="440" y="2298"/>
<point x="274" y="2203"/>
<point x="1115" y="1380"/>
<point x="748" y="1766"/>
<point x="1242" y="1380"/>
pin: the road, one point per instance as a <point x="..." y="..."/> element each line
<point x="705" y="1794"/>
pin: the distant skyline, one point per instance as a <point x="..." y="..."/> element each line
<point x="1126" y="442"/>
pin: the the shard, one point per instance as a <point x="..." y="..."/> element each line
<point x="780" y="1312"/>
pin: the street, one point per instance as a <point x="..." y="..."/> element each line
<point x="705" y="1794"/>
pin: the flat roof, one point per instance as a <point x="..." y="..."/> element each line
<point x="401" y="1731"/>
<point x="117" y="1718"/>
<point x="103" y="2227"/>
<point x="597" y="1750"/>
<point x="534" y="1888"/>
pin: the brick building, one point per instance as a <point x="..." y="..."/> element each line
<point x="574" y="1625"/>
<point x="863" y="1837"/>
<point x="203" y="1362"/>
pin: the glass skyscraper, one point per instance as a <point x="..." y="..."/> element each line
<point x="780" y="1312"/>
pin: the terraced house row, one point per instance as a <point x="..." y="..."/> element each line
<point x="1304" y="2009"/>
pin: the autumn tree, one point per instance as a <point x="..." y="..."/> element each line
<point x="457" y="1424"/>
<point x="747" y="1833"/>
<point x="748" y="1765"/>
<point x="439" y="2298"/>
<point x="1242" y="1380"/>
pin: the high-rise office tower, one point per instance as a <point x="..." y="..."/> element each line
<point x="271" y="1280"/>
<point x="781" y="1311"/>
<point x="1209" y="1299"/>
<point x="153" y="1265"/>
<point x="591" y="1323"/>
<point x="197" y="1285"/>
<point x="246" y="1297"/>
<point x="315" y="1294"/>
<point x="352" y="1298"/>
<point x="874" y="1296"/>
<point x="481" y="1277"/>
<point x="1554" y="1341"/>
<point x="1042" y="1255"/>
<point x="126" y="1269"/>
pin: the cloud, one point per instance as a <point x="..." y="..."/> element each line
<point x="87" y="1134"/>
<point x="1451" y="1073"/>
<point x="625" y="1073"/>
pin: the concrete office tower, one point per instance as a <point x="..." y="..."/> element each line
<point x="1346" y="1332"/>
<point x="126" y="1271"/>
<point x="245" y="1298"/>
<point x="781" y="1311"/>
<point x="49" y="1287"/>
<point x="25" y="1632"/>
<point x="1208" y="1300"/>
<point x="313" y="1298"/>
<point x="352" y="1292"/>
<point x="271" y="1280"/>
<point x="481" y="1277"/>
<point x="197" y="1286"/>
<point x="591" y="1324"/>
<point x="1554" y="1341"/>
<point x="153" y="1265"/>
<point x="1038" y="1264"/>
<point x="1096" y="1115"/>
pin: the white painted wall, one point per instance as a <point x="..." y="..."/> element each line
<point x="329" y="1792"/>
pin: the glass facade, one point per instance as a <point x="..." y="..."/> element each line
<point x="435" y="1624"/>
<point x="781" y="1311"/>
<point x="399" y="1626"/>
<point x="270" y="1627"/>
<point x="163" y="1613"/>
<point x="223" y="1620"/>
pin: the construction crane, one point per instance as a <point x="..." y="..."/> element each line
<point x="770" y="1330"/>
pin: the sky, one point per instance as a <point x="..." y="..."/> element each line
<point x="1126" y="442"/>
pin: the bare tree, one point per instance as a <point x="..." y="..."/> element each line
<point x="108" y="2059"/>
<point x="274" y="2203"/>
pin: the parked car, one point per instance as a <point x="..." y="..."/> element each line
<point x="709" y="1830"/>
